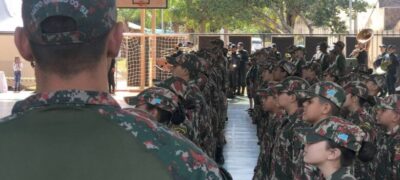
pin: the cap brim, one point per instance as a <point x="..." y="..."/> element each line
<point x="131" y="100"/>
<point x="309" y="136"/>
<point x="305" y="94"/>
<point x="171" y="60"/>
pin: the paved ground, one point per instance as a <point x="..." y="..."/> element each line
<point x="241" y="150"/>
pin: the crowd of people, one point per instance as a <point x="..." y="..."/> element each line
<point x="316" y="118"/>
<point x="319" y="118"/>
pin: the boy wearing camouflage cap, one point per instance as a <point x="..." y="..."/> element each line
<point x="71" y="129"/>
<point x="187" y="67"/>
<point x="323" y="99"/>
<point x="387" y="162"/>
<point x="311" y="72"/>
<point x="283" y="70"/>
<point x="286" y="146"/>
<point x="163" y="105"/>
<point x="376" y="85"/>
<point x="356" y="94"/>
<point x="333" y="146"/>
<point x="268" y="129"/>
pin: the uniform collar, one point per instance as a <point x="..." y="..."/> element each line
<point x="65" y="97"/>
<point x="341" y="173"/>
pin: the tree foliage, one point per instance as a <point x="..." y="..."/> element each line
<point x="276" y="16"/>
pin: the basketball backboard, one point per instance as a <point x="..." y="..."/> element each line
<point x="143" y="4"/>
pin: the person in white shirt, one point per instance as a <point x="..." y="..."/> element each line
<point x="17" y="73"/>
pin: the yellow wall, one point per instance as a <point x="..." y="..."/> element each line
<point x="7" y="53"/>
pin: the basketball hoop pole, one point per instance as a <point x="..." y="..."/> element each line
<point x="153" y="49"/>
<point x="142" y="49"/>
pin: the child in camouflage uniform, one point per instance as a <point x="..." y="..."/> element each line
<point x="332" y="147"/>
<point x="163" y="105"/>
<point x="387" y="162"/>
<point x="310" y="72"/>
<point x="356" y="94"/>
<point x="269" y="124"/>
<point x="286" y="146"/>
<point x="323" y="99"/>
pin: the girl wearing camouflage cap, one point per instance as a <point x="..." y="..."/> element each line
<point x="356" y="94"/>
<point x="387" y="162"/>
<point x="333" y="146"/>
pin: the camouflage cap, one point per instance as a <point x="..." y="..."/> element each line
<point x="340" y="44"/>
<point x="340" y="131"/>
<point x="92" y="18"/>
<point x="176" y="85"/>
<point x="314" y="66"/>
<point x="292" y="84"/>
<point x="331" y="71"/>
<point x="379" y="80"/>
<point x="289" y="67"/>
<point x="188" y="61"/>
<point x="390" y="102"/>
<point x="328" y="90"/>
<point x="156" y="96"/>
<point x="357" y="88"/>
<point x="270" y="91"/>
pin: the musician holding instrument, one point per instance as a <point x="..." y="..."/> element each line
<point x="361" y="54"/>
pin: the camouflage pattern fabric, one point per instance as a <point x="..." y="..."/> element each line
<point x="328" y="90"/>
<point x="181" y="157"/>
<point x="93" y="19"/>
<point x="270" y="124"/>
<point x="387" y="161"/>
<point x="340" y="131"/>
<point x="343" y="173"/>
<point x="289" y="67"/>
<point x="287" y="147"/>
<point x="156" y="96"/>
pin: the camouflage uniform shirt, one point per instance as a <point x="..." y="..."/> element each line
<point x="387" y="162"/>
<point x="38" y="117"/>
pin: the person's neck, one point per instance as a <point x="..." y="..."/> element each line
<point x="91" y="80"/>
<point x="391" y="126"/>
<point x="373" y="93"/>
<point x="291" y="108"/>
<point x="328" y="168"/>
<point x="354" y="107"/>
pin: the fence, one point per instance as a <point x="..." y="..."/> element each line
<point x="141" y="74"/>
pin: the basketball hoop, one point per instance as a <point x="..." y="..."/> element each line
<point x="143" y="4"/>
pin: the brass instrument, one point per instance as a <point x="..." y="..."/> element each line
<point x="365" y="35"/>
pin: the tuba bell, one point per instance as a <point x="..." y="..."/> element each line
<point x="365" y="35"/>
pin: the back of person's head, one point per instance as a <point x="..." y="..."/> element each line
<point x="67" y="38"/>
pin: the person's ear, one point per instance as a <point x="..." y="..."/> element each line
<point x="21" y="41"/>
<point x="326" y="108"/>
<point x="354" y="99"/>
<point x="114" y="40"/>
<point x="334" y="154"/>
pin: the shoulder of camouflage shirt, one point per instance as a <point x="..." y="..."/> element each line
<point x="179" y="154"/>
<point x="183" y="159"/>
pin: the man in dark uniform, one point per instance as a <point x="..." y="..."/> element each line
<point x="381" y="56"/>
<point x="338" y="60"/>
<point x="72" y="129"/>
<point x="244" y="60"/>
<point x="392" y="65"/>
<point x="298" y="60"/>
<point x="111" y="78"/>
